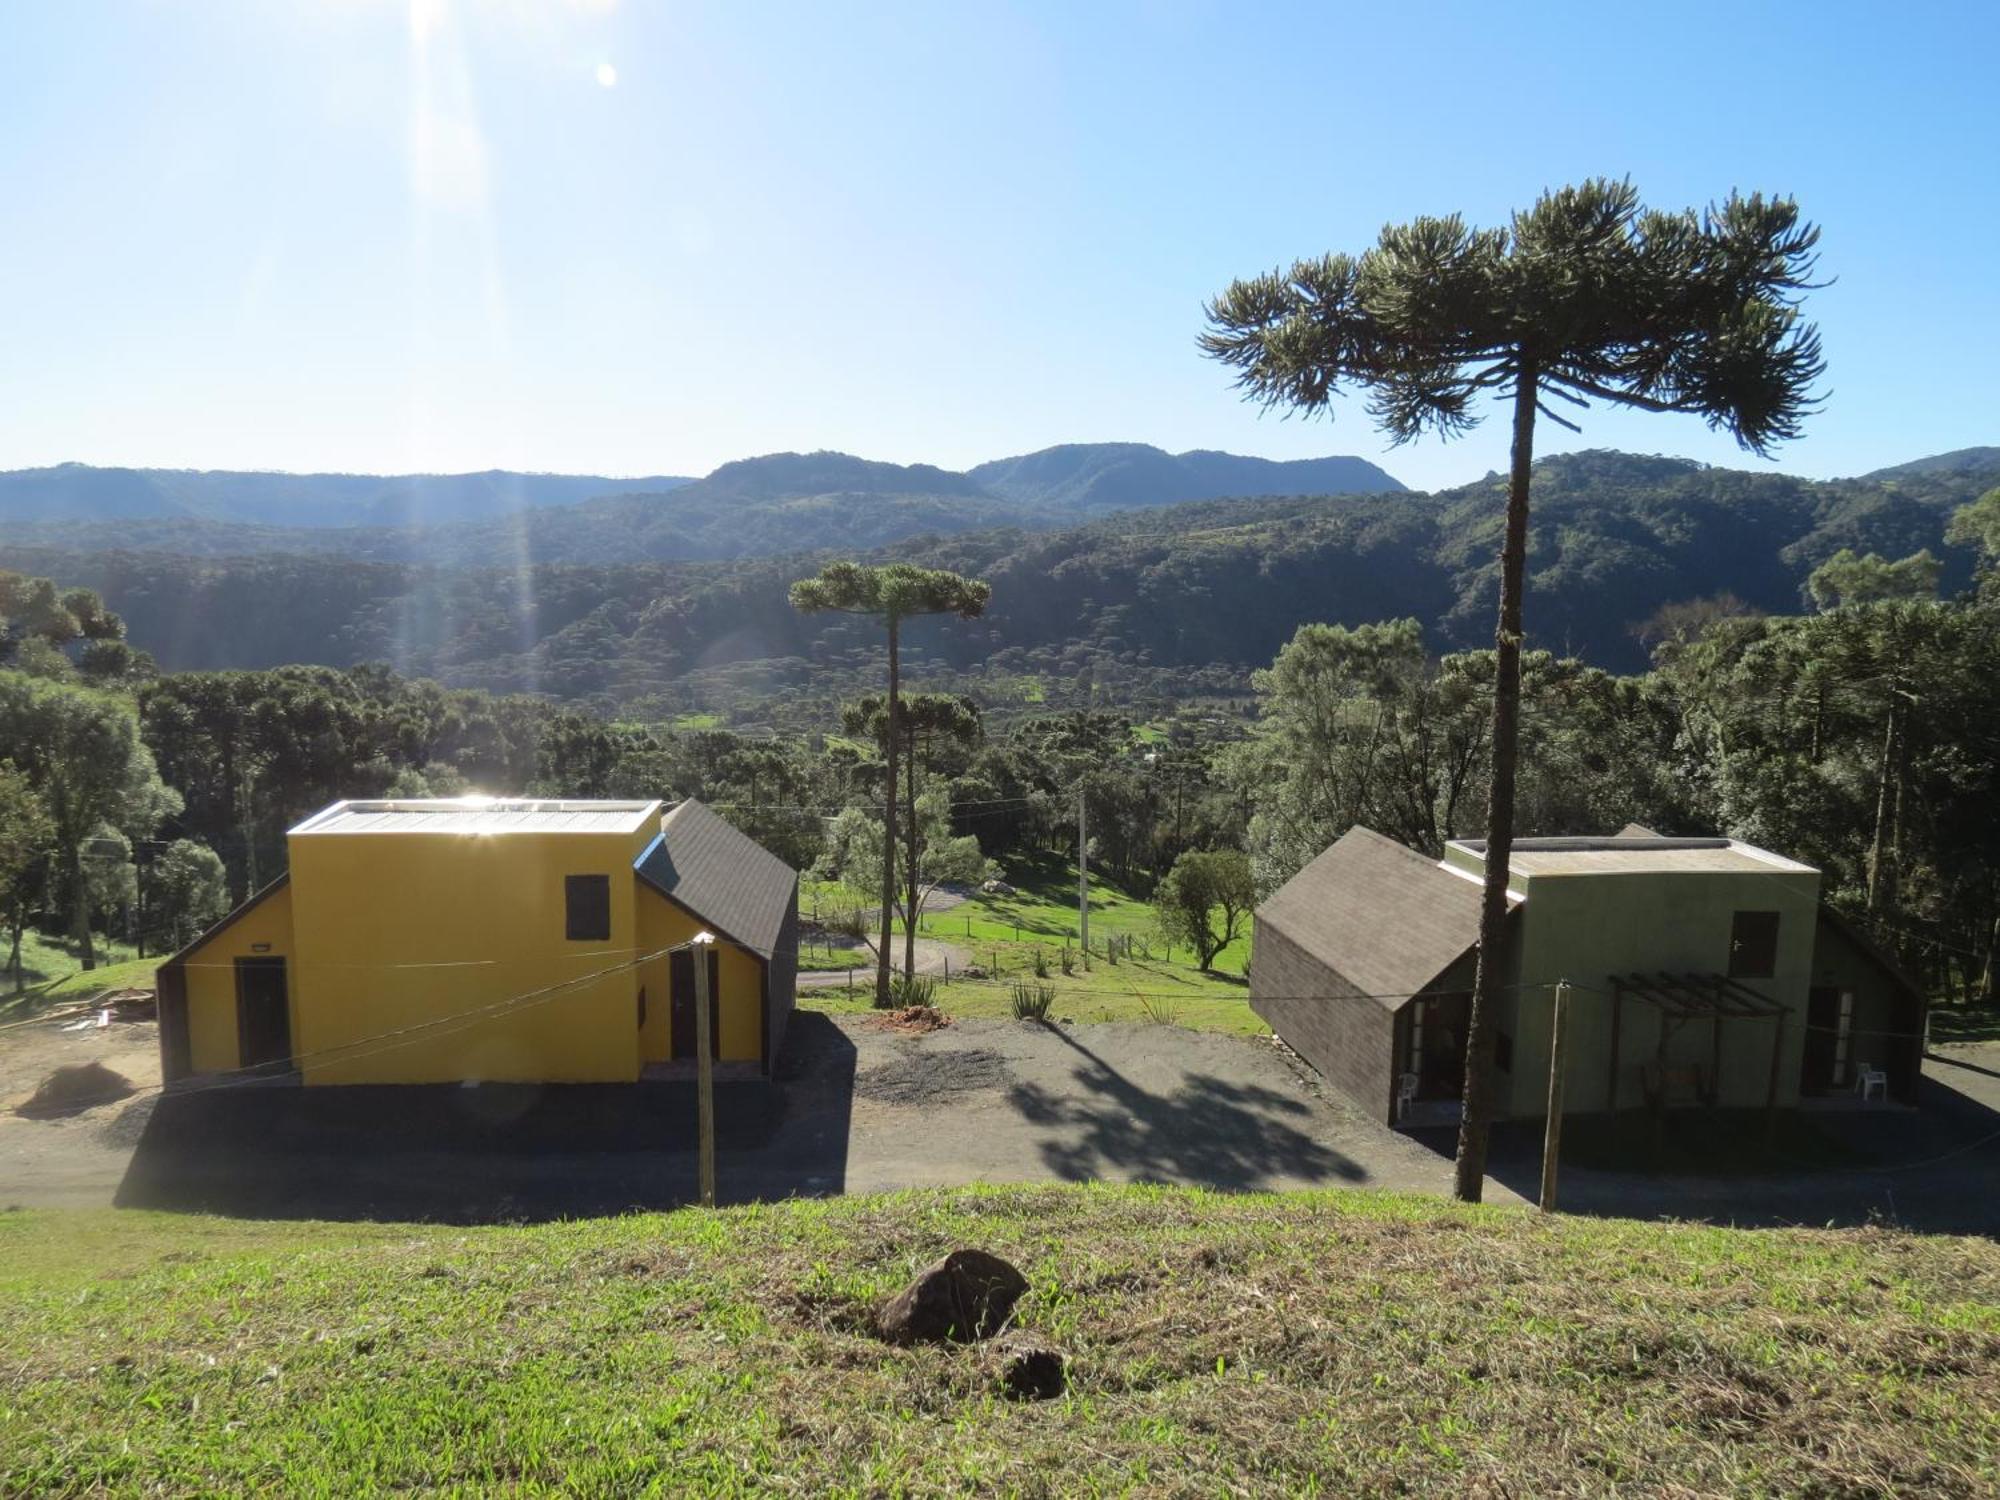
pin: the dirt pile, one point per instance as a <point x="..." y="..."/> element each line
<point x="964" y="1297"/>
<point x="72" y="1089"/>
<point x="914" y="1019"/>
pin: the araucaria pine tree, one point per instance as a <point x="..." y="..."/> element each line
<point x="1584" y="297"/>
<point x="892" y="594"/>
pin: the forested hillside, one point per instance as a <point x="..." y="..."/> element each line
<point x="1173" y="600"/>
<point x="71" y="493"/>
<point x="1768" y="727"/>
<point x="753" y="507"/>
<point x="1097" y="477"/>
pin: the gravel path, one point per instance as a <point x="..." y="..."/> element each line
<point x="932" y="956"/>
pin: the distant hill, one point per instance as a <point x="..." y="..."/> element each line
<point x="1169" y="600"/>
<point x="1094" y="477"/>
<point x="754" y="507"/>
<point x="1958" y="461"/>
<point x="82" y="493"/>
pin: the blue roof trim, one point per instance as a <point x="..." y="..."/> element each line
<point x="646" y="853"/>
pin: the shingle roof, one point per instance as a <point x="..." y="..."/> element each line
<point x="726" y="878"/>
<point x="1386" y="918"/>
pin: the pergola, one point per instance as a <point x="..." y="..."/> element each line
<point x="1684" y="998"/>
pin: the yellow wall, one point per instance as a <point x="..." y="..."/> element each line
<point x="398" y="930"/>
<point x="662" y="924"/>
<point x="211" y="979"/>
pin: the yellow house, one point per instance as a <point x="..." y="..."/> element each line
<point x="491" y="940"/>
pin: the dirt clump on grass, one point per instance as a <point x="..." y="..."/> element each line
<point x="74" y="1088"/>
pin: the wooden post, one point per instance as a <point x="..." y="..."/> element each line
<point x="1552" y="1138"/>
<point x="1082" y="880"/>
<point x="704" y="1067"/>
<point x="1771" y="1096"/>
<point x="1617" y="1005"/>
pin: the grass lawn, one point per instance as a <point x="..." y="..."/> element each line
<point x="1324" y="1343"/>
<point x="1006" y="934"/>
<point x="1126" y="991"/>
<point x="1044" y="910"/>
<point x="1964" y="1023"/>
<point x="55" y="976"/>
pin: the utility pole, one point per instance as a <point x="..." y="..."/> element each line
<point x="704" y="1067"/>
<point x="1552" y="1141"/>
<point x="1082" y="878"/>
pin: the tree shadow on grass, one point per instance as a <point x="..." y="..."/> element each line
<point x="500" y="1152"/>
<point x="1208" y="1133"/>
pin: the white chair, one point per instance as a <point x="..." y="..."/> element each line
<point x="1872" y="1082"/>
<point x="1406" y="1093"/>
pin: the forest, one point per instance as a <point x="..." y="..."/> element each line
<point x="1856" y="730"/>
<point x="1137" y="610"/>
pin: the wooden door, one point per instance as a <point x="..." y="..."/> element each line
<point x="1822" y="1042"/>
<point x="263" y="1015"/>
<point x="1441" y="1045"/>
<point x="681" y="980"/>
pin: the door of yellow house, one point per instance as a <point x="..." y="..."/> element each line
<point x="263" y="1015"/>
<point x="683" y="1003"/>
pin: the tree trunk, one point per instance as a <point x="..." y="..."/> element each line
<point x="889" y="820"/>
<point x="1989" y="974"/>
<point x="910" y="874"/>
<point x="80" y="914"/>
<point x="14" y="958"/>
<point x="1881" y="874"/>
<point x="1491" y="975"/>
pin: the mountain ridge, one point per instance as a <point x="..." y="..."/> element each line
<point x="1185" y="599"/>
<point x="77" y="491"/>
<point x="754" y="506"/>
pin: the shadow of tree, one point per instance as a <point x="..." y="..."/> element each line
<point x="1208" y="1133"/>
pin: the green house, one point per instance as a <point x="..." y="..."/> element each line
<point x="1703" y="972"/>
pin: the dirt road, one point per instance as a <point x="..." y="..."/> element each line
<point x="932" y="958"/>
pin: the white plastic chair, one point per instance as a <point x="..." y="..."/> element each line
<point x="1406" y="1093"/>
<point x="1872" y="1082"/>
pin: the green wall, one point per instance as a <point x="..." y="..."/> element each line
<point x="1585" y="927"/>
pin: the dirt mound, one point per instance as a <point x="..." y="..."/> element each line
<point x="915" y="1019"/>
<point x="73" y="1089"/>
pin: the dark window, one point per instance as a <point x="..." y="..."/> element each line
<point x="1503" y="1051"/>
<point x="588" y="899"/>
<point x="1753" y="945"/>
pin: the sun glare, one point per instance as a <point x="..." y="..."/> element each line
<point x="607" y="76"/>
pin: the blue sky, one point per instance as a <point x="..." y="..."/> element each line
<point x="650" y="237"/>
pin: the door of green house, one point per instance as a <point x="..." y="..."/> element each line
<point x="681" y="980"/>
<point x="263" y="1015"/>
<point x="1819" y="1068"/>
<point x="1438" y="1025"/>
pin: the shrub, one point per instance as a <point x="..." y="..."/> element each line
<point x="1068" y="961"/>
<point x="1032" y="1001"/>
<point x="918" y="989"/>
<point x="1041" y="963"/>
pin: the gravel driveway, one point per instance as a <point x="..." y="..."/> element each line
<point x="1013" y="1101"/>
<point x="861" y="1107"/>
